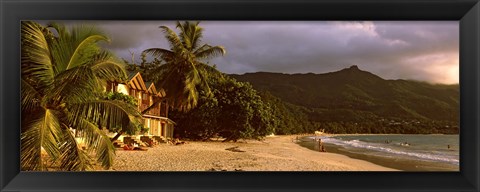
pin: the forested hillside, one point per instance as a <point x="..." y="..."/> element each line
<point x="352" y="100"/>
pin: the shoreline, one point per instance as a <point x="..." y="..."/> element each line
<point x="357" y="134"/>
<point x="400" y="163"/>
<point x="275" y="153"/>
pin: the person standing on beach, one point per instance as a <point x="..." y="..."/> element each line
<point x="321" y="148"/>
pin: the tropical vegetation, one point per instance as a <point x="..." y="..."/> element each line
<point x="64" y="72"/>
<point x="234" y="112"/>
<point x="356" y="101"/>
<point x="181" y="70"/>
<point x="63" y="75"/>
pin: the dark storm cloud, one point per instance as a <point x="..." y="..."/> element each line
<point x="133" y="36"/>
<point x="419" y="50"/>
<point x="426" y="51"/>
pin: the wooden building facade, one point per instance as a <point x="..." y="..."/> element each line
<point x="156" y="119"/>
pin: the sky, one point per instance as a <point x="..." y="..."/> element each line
<point x="414" y="50"/>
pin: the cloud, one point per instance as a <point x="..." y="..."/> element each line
<point x="389" y="49"/>
<point x="419" y="50"/>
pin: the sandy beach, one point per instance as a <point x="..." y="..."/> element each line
<point x="278" y="153"/>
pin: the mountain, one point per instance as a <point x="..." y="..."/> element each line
<point x="352" y="94"/>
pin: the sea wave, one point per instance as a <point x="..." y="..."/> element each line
<point x="383" y="148"/>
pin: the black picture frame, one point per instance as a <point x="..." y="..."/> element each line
<point x="465" y="11"/>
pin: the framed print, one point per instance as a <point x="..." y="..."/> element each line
<point x="239" y="95"/>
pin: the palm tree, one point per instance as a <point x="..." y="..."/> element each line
<point x="182" y="70"/>
<point x="63" y="74"/>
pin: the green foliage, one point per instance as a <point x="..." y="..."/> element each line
<point x="234" y="111"/>
<point x="63" y="73"/>
<point x="121" y="97"/>
<point x="144" y="129"/>
<point x="289" y="119"/>
<point x="390" y="126"/>
<point x="243" y="113"/>
<point x="179" y="70"/>
<point x="138" y="126"/>
<point x="354" y="97"/>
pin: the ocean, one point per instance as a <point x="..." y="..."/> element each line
<point x="403" y="152"/>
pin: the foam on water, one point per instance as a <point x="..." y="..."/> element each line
<point x="397" y="151"/>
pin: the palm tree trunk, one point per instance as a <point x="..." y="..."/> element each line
<point x="117" y="136"/>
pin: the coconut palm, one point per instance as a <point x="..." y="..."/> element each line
<point x="63" y="74"/>
<point x="182" y="70"/>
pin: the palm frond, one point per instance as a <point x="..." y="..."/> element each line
<point x="155" y="73"/>
<point x="204" y="72"/>
<point x="95" y="140"/>
<point x="168" y="74"/>
<point x="106" y="68"/>
<point x="163" y="54"/>
<point x="35" y="57"/>
<point x="59" y="28"/>
<point x="76" y="46"/>
<point x="208" y="70"/>
<point x="197" y="36"/>
<point x="98" y="141"/>
<point x="173" y="82"/>
<point x="42" y="132"/>
<point x="73" y="158"/>
<point x="63" y="72"/>
<point x="83" y="83"/>
<point x="179" y="77"/>
<point x="105" y="151"/>
<point x="75" y="85"/>
<point x="190" y="101"/>
<point x="110" y="112"/>
<point x="211" y="52"/>
<point x="77" y="58"/>
<point x="190" y="90"/>
<point x="196" y="78"/>
<point x="190" y="34"/>
<point x="172" y="38"/>
<point x="31" y="98"/>
<point x="183" y="34"/>
<point x="202" y="48"/>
